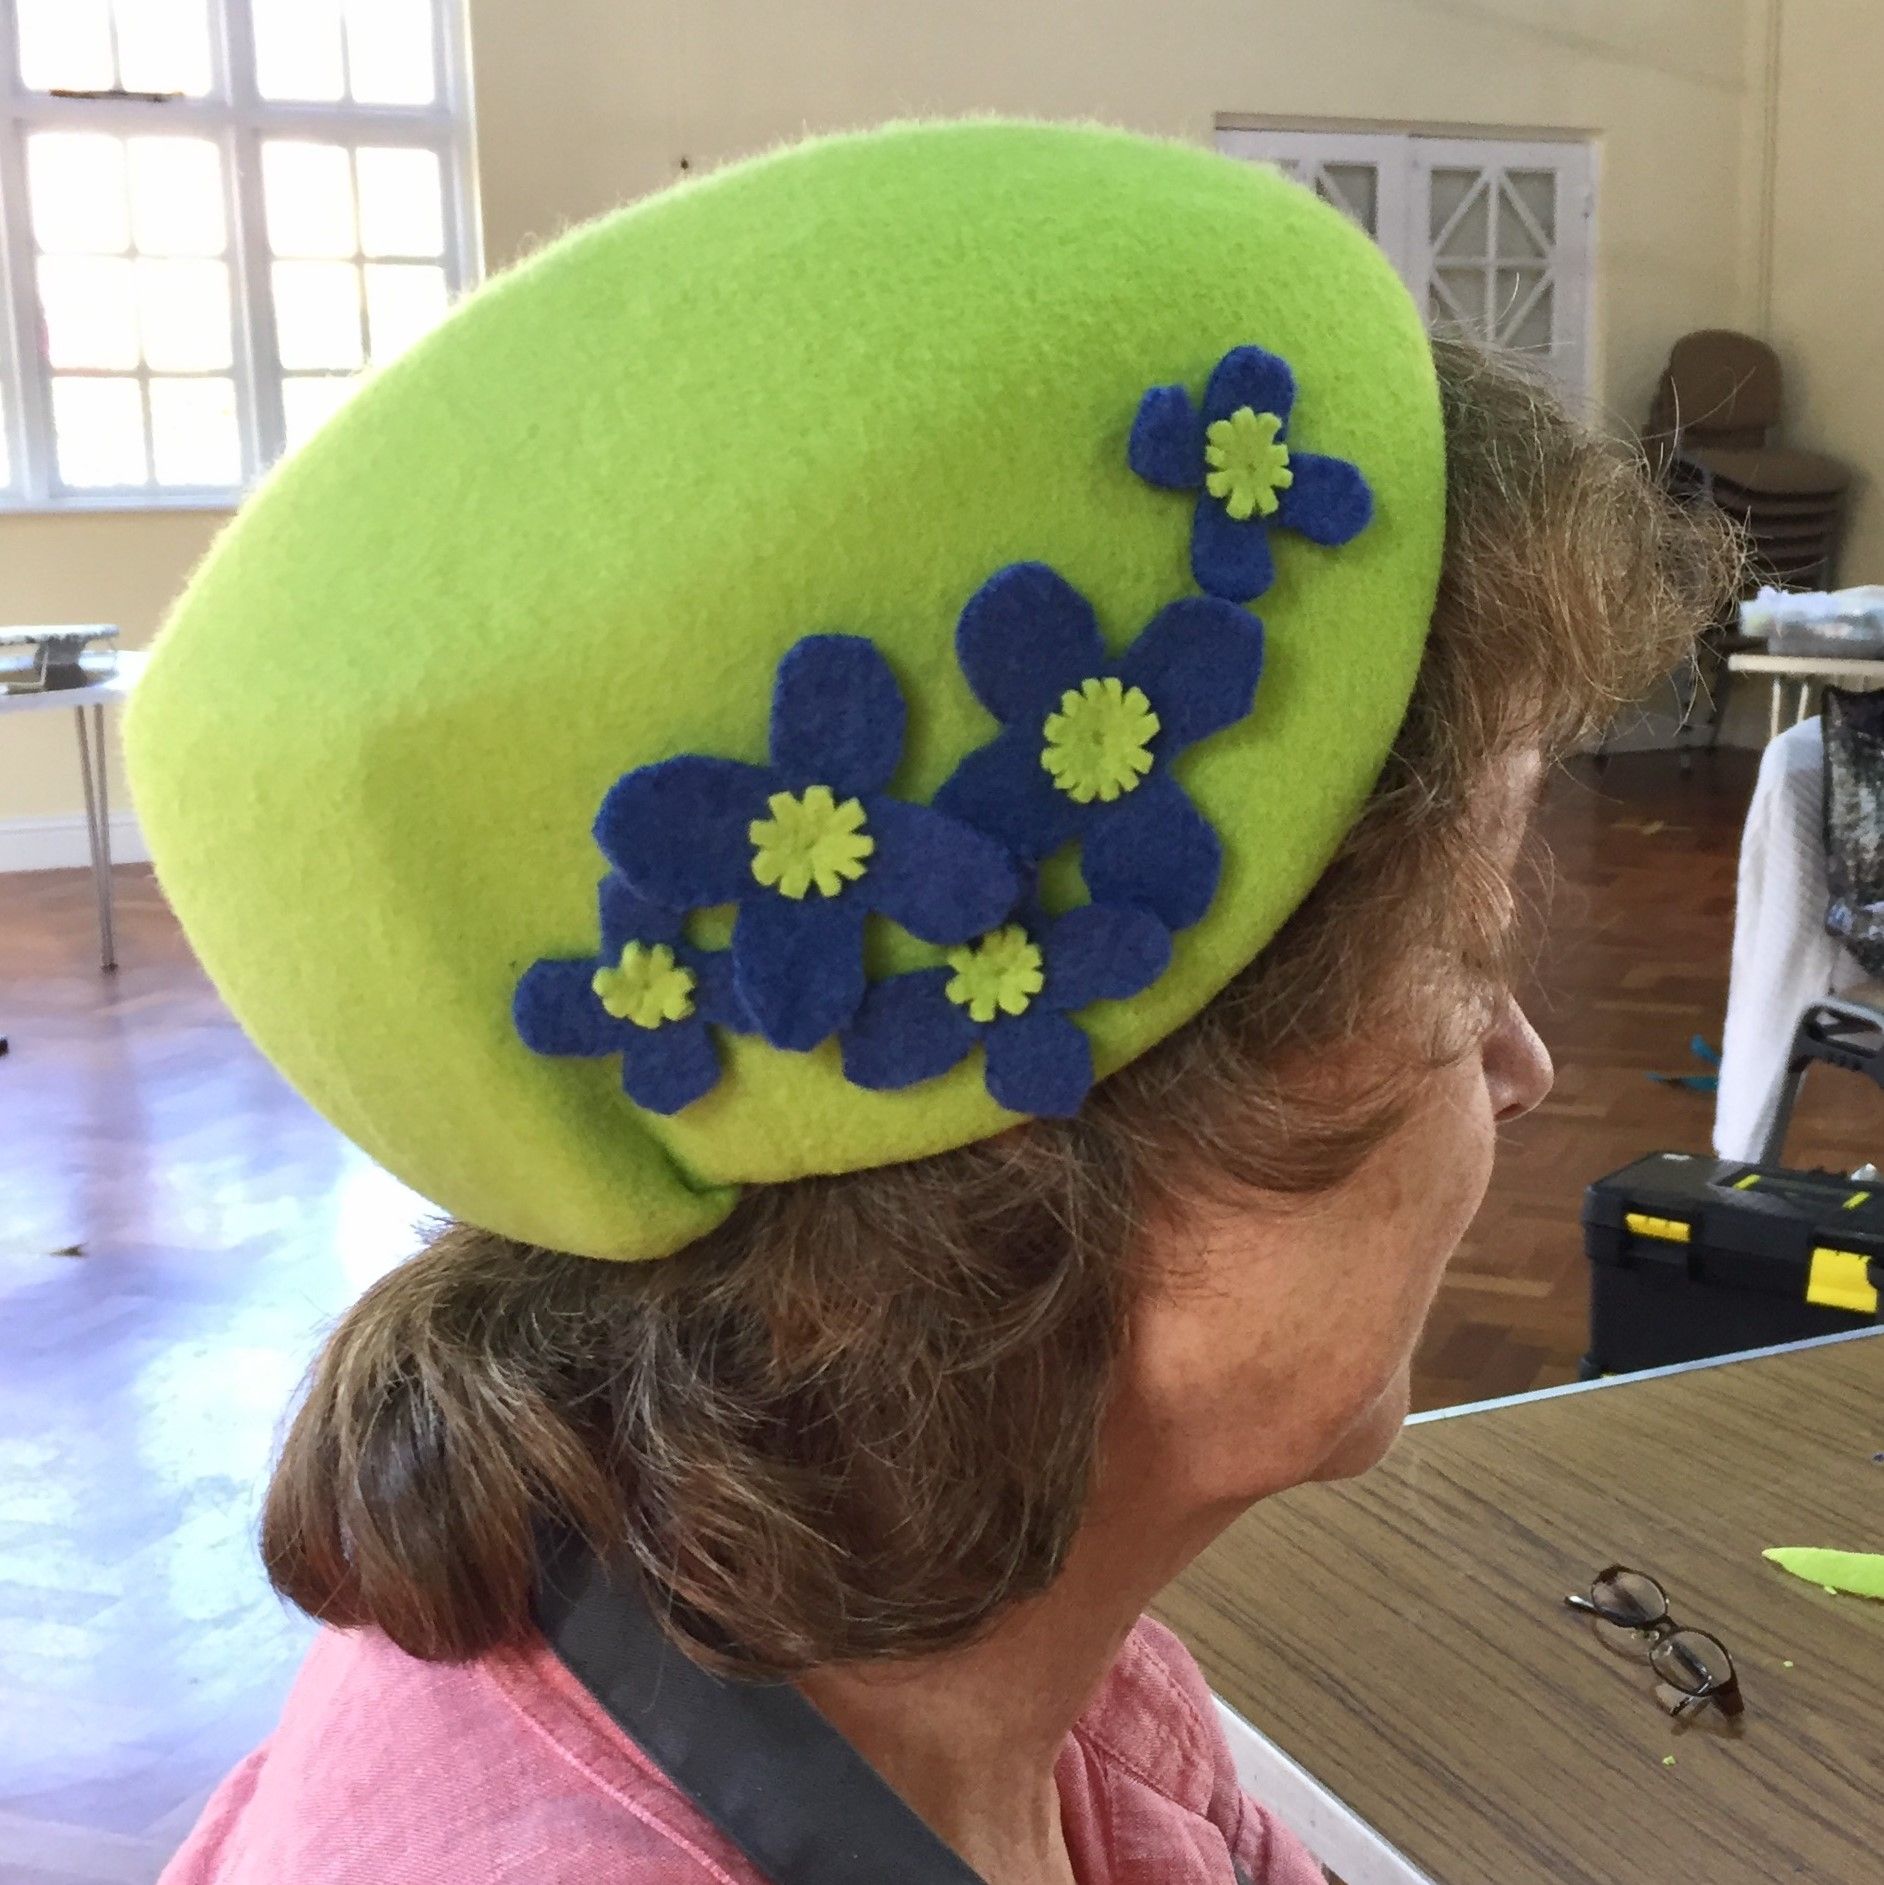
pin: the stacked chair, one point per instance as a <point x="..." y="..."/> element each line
<point x="1709" y="438"/>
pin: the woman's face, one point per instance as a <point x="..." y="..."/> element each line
<point x="1277" y="1343"/>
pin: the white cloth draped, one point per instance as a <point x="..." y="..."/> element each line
<point x="1782" y="957"/>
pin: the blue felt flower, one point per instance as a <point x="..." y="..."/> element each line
<point x="1236" y="454"/>
<point x="1012" y="992"/>
<point x="808" y="846"/>
<point x="649" y="996"/>
<point x="1087" y="739"/>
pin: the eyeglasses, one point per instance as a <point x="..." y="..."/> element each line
<point x="1692" y="1663"/>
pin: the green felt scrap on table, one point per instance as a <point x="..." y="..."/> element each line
<point x="1856" y="1573"/>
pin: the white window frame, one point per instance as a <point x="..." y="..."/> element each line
<point x="1404" y="160"/>
<point x="237" y="119"/>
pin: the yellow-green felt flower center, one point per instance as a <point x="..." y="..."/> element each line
<point x="1000" y="974"/>
<point x="809" y="839"/>
<point x="647" y="986"/>
<point x="1099" y="743"/>
<point x="1248" y="463"/>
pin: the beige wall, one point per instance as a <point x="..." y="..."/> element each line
<point x="1828" y="250"/>
<point x="582" y="103"/>
<point x="119" y="566"/>
<point x="1668" y="87"/>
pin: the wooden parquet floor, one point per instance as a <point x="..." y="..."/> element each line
<point x="176" y="1228"/>
<point x="1630" y="963"/>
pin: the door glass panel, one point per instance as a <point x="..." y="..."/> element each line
<point x="1460" y="219"/>
<point x="1537" y="191"/>
<point x="1354" y="188"/>
<point x="1530" y="324"/>
<point x="1461" y="297"/>
<point x="1519" y="239"/>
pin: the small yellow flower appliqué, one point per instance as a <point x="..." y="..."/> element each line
<point x="647" y="987"/>
<point x="1099" y="743"/>
<point x="809" y="839"/>
<point x="1000" y="974"/>
<point x="1248" y="463"/>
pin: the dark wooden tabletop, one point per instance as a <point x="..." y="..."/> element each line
<point x="1404" y="1638"/>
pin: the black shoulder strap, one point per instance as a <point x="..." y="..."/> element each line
<point x="756" y="1758"/>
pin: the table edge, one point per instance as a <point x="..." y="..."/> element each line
<point x="1532" y="1395"/>
<point x="1856" y="667"/>
<point x="1332" y="1830"/>
<point x="110" y="691"/>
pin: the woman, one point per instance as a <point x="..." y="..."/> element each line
<point x="1002" y="1230"/>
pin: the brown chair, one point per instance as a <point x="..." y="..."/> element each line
<point x="1709" y="437"/>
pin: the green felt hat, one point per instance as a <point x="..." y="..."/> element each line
<point x="804" y="671"/>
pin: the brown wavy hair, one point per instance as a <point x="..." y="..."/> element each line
<point x="859" y="1418"/>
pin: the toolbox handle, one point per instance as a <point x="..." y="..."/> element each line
<point x="1846" y="1034"/>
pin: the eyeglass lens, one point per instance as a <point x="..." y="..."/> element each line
<point x="1630" y="1599"/>
<point x="1691" y="1662"/>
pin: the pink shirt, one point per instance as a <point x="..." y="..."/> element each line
<point x="389" y="1771"/>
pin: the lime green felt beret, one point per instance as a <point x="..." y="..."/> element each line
<point x="950" y="589"/>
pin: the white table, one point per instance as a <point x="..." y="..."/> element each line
<point x="1806" y="672"/>
<point x="91" y="744"/>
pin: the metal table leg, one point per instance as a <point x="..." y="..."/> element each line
<point x="98" y="825"/>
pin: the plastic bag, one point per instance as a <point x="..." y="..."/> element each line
<point x="1853" y="726"/>
<point x="1847" y="623"/>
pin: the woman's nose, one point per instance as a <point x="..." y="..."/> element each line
<point x="1518" y="1072"/>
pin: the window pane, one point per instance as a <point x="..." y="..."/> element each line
<point x="176" y="196"/>
<point x="77" y="185"/>
<point x="100" y="429"/>
<point x="297" y="49"/>
<point x="389" y="51"/>
<point x="90" y="307"/>
<point x="309" y="192"/>
<point x="66" y="44"/>
<point x="193" y="433"/>
<point x="402" y="303"/>
<point x="184" y="312"/>
<point x="317" y="314"/>
<point x="307" y="405"/>
<point x="163" y="46"/>
<point x="402" y="206"/>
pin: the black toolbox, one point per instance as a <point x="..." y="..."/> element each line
<point x="1692" y="1257"/>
